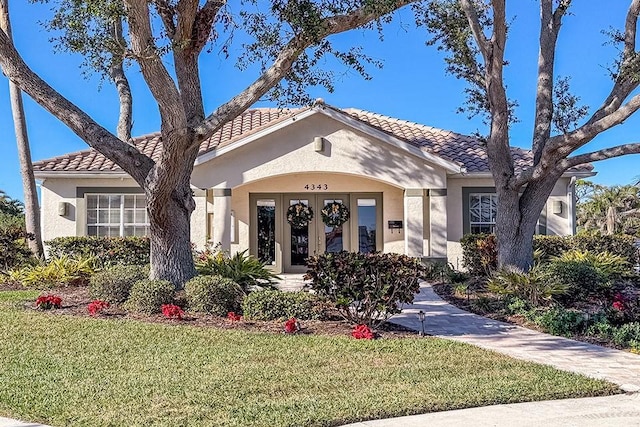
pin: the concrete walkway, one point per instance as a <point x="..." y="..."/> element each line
<point x="619" y="367"/>
<point x="444" y="320"/>
<point x="8" y="422"/>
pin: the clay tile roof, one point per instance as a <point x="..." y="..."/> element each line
<point x="464" y="150"/>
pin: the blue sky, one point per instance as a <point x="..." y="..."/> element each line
<point x="412" y="85"/>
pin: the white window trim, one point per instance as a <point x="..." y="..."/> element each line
<point x="122" y="223"/>
<point x="481" y="223"/>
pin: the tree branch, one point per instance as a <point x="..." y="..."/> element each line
<point x="607" y="153"/>
<point x="474" y="23"/>
<point x="167" y="14"/>
<point x="283" y="62"/>
<point x="153" y="70"/>
<point x="550" y="23"/>
<point x="116" y="72"/>
<point x="125" y="155"/>
<point x="204" y="23"/>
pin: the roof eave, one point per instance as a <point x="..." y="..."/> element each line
<point x="79" y="174"/>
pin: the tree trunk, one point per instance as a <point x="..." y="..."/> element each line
<point x="171" y="257"/>
<point x="31" y="206"/>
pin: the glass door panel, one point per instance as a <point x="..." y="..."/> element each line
<point x="333" y="236"/>
<point x="266" y="220"/>
<point x="299" y="239"/>
<point x="367" y="220"/>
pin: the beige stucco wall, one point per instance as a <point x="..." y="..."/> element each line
<point x="392" y="201"/>
<point x="57" y="190"/>
<point x="291" y="150"/>
<point x="558" y="224"/>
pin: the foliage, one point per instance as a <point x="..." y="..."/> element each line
<point x="55" y="272"/>
<point x="362" y="332"/>
<point x="479" y="254"/>
<point x="96" y="306"/>
<point x="124" y="363"/>
<point x="625" y="335"/>
<point x="534" y="286"/>
<point x="148" y="296"/>
<point x="334" y="214"/>
<point x="233" y="316"/>
<point x="107" y="250"/>
<point x="609" y="210"/>
<point x="274" y="305"/>
<point x="299" y="215"/>
<point x="366" y="288"/>
<point x="172" y="311"/>
<point x="242" y="268"/>
<point x="561" y="321"/>
<point x="583" y="280"/>
<point x="47" y="302"/>
<point x="213" y="294"/>
<point x="14" y="251"/>
<point x="610" y="266"/>
<point x="113" y="284"/>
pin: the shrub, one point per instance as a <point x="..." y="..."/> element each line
<point x="47" y="302"/>
<point x="13" y="247"/>
<point x="96" y="306"/>
<point x="213" y="294"/>
<point x="109" y="250"/>
<point x="366" y="288"/>
<point x="561" y="321"/>
<point x="172" y="311"/>
<point x="611" y="266"/>
<point x="274" y="305"/>
<point x="242" y="268"/>
<point x="56" y="272"/>
<point x="624" y="335"/>
<point x="148" y="296"/>
<point x="479" y="251"/>
<point x="114" y="284"/>
<point x="534" y="286"/>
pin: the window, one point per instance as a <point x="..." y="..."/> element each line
<point x="482" y="212"/>
<point x="116" y="215"/>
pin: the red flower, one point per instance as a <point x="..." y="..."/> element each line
<point x="96" y="306"/>
<point x="233" y="316"/>
<point x="172" y="311"/>
<point x="361" y="332"/>
<point x="618" y="305"/>
<point x="47" y="302"/>
<point x="291" y="326"/>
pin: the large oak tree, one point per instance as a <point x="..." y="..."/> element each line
<point x="474" y="32"/>
<point x="289" y="39"/>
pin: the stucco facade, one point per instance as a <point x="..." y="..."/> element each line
<point x="402" y="197"/>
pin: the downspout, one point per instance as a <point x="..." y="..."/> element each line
<point x="571" y="202"/>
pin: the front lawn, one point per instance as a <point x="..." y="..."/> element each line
<point x="66" y="370"/>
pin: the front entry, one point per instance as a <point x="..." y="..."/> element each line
<point x="285" y="247"/>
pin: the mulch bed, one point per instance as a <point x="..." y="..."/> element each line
<point x="76" y="299"/>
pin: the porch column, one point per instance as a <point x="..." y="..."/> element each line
<point x="414" y="222"/>
<point x="221" y="232"/>
<point x="438" y="223"/>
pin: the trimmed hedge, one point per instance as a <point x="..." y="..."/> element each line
<point x="273" y="305"/>
<point x="213" y="294"/>
<point x="148" y="296"/>
<point x="108" y="250"/>
<point x="479" y="251"/>
<point x="14" y="251"/>
<point x="114" y="284"/>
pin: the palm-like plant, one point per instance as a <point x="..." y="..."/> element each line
<point x="611" y="210"/>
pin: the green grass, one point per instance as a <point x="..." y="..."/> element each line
<point x="93" y="372"/>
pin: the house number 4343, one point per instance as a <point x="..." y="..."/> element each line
<point x="316" y="187"/>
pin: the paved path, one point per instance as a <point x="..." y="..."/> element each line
<point x="444" y="320"/>
<point x="8" y="422"/>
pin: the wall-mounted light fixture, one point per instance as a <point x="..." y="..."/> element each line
<point x="63" y="208"/>
<point x="557" y="207"/>
<point x="318" y="144"/>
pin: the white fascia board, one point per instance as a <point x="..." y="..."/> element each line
<point x="244" y="141"/>
<point x="478" y="175"/>
<point x="80" y="175"/>
<point x="398" y="143"/>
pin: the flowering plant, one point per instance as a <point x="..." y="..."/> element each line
<point x="172" y="311"/>
<point x="334" y="214"/>
<point x="299" y="215"/>
<point x="47" y="302"/>
<point x="233" y="316"/>
<point x="96" y="306"/>
<point x="291" y="326"/>
<point x="362" y="332"/>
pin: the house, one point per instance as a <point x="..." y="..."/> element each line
<point x="406" y="188"/>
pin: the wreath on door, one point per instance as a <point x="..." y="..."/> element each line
<point x="334" y="214"/>
<point x="299" y="215"/>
